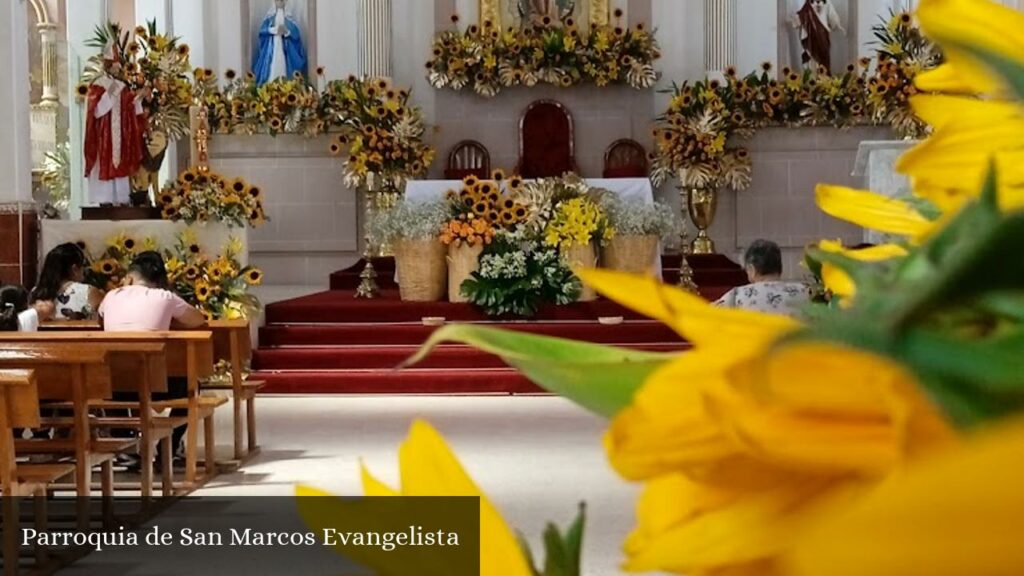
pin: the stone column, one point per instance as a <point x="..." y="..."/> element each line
<point x="48" y="43"/>
<point x="719" y="35"/>
<point x="375" y="38"/>
<point x="18" y="221"/>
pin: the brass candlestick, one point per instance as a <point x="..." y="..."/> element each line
<point x="368" y="277"/>
<point x="686" y="281"/>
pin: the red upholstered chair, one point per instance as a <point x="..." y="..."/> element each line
<point x="546" y="147"/>
<point x="468" y="158"/>
<point x="625" y="158"/>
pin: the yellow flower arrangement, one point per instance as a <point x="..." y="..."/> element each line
<point x="692" y="138"/>
<point x="379" y="131"/>
<point x="481" y="208"/>
<point x="218" y="287"/>
<point x="203" y="196"/>
<point x="577" y="222"/>
<point x="284" y="105"/>
<point x="559" y="53"/>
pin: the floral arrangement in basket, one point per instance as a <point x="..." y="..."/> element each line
<point x="202" y="196"/>
<point x="282" y="106"/>
<point x="556" y="52"/>
<point x="481" y="208"/>
<point x="903" y="53"/>
<point x="514" y="279"/>
<point x="379" y="132"/>
<point x="148" y="62"/>
<point x="630" y="218"/>
<point x="216" y="285"/>
<point x="694" y="137"/>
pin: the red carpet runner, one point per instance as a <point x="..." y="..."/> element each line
<point x="332" y="343"/>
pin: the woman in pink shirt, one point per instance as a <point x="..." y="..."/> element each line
<point x="144" y="304"/>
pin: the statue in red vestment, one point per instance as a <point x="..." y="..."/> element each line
<point x="816" y="20"/>
<point x="115" y="129"/>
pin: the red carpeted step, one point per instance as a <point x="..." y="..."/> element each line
<point x="629" y="332"/>
<point x="413" y="381"/>
<point x="384" y="357"/>
<point x="340" y="306"/>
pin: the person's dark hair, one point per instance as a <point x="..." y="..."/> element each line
<point x="149" y="266"/>
<point x="13" y="301"/>
<point x="57" y="269"/>
<point x="765" y="257"/>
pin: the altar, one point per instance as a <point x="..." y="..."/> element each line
<point x="629" y="189"/>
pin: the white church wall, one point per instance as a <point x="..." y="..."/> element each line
<point x="337" y="37"/>
<point x="757" y="30"/>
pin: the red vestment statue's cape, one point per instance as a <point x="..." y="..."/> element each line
<point x="817" y="44"/>
<point x="99" y="136"/>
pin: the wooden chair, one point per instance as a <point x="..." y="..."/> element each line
<point x="468" y="158"/>
<point x="546" y="141"/>
<point x="19" y="408"/>
<point x="232" y="341"/>
<point x="625" y="158"/>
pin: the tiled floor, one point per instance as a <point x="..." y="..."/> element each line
<point x="537" y="457"/>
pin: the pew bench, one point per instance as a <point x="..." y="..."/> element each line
<point x="19" y="408"/>
<point x="187" y="354"/>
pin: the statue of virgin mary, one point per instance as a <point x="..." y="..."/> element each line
<point x="280" y="52"/>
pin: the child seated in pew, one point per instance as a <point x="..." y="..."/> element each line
<point x="15" y="313"/>
<point x="145" y="304"/>
<point x="61" y="285"/>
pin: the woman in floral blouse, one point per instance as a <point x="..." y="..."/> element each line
<point x="766" y="291"/>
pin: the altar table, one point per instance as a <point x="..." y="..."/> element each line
<point x="630" y="189"/>
<point x="636" y="189"/>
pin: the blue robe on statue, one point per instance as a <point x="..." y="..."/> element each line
<point x="279" y="55"/>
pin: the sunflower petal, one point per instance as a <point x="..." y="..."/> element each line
<point x="691" y="316"/>
<point x="872" y="211"/>
<point x="958" y="514"/>
<point x="429" y="468"/>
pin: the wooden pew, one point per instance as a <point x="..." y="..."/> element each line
<point x="189" y="354"/>
<point x="232" y="341"/>
<point x="135" y="367"/>
<point x="19" y="408"/>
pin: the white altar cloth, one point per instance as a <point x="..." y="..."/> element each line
<point x="632" y="189"/>
<point x="95" y="233"/>
<point x="628" y="188"/>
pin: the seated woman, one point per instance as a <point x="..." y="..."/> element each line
<point x="766" y="291"/>
<point x="61" y="282"/>
<point x="15" y="313"/>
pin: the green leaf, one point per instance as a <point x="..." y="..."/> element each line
<point x="602" y="379"/>
<point x="555" y="556"/>
<point x="574" y="541"/>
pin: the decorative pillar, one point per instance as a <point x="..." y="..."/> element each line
<point x="82" y="17"/>
<point x="375" y="38"/>
<point x="48" y="44"/>
<point x="18" y="220"/>
<point x="719" y="35"/>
